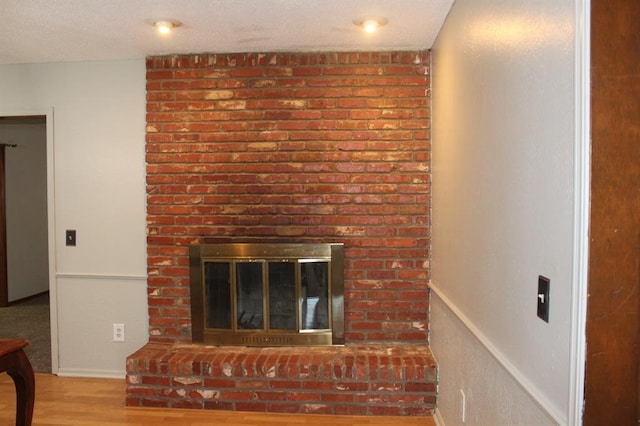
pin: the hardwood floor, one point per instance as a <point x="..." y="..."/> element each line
<point x="88" y="402"/>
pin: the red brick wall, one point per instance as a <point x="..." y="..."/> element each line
<point x="290" y="147"/>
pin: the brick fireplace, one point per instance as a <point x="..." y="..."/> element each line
<point x="291" y="148"/>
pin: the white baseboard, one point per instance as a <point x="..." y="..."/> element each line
<point x="98" y="374"/>
<point x="438" y="418"/>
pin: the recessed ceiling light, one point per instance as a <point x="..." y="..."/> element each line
<point x="370" y="25"/>
<point x="164" y="26"/>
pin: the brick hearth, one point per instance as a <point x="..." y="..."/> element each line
<point x="354" y="380"/>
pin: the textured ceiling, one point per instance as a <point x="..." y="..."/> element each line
<point x="84" y="30"/>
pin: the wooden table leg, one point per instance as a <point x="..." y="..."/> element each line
<point x="23" y="378"/>
<point x="14" y="361"/>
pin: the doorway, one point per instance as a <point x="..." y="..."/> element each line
<point x="24" y="263"/>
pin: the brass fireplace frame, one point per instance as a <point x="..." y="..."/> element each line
<point x="332" y="253"/>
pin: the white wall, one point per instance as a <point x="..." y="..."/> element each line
<point x="26" y="203"/>
<point x="505" y="203"/>
<point x="99" y="173"/>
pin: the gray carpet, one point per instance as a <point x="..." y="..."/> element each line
<point x="30" y="320"/>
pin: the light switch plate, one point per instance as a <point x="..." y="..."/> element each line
<point x="543" y="298"/>
<point x="70" y="237"/>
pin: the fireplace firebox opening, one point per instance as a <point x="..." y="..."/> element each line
<point x="267" y="294"/>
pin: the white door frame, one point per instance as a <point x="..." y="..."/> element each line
<point x="582" y="159"/>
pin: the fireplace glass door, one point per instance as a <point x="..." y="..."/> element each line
<point x="286" y="311"/>
<point x="249" y="290"/>
<point x="261" y="300"/>
<point x="282" y="295"/>
<point x="315" y="295"/>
